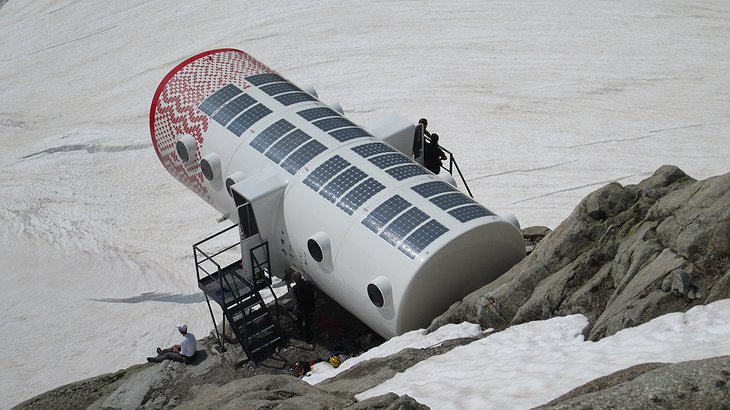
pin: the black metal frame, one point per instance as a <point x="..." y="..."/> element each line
<point x="452" y="164"/>
<point x="257" y="266"/>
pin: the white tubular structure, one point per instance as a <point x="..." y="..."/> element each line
<point x="388" y="240"/>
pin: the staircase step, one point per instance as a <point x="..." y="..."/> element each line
<point x="254" y="328"/>
<point x="263" y="342"/>
<point x="243" y="304"/>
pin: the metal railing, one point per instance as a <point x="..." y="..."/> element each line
<point x="197" y="251"/>
<point x="452" y="164"/>
<point x="257" y="266"/>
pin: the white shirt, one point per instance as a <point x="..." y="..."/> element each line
<point x="188" y="345"/>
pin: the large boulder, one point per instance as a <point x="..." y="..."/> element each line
<point x="625" y="255"/>
<point x="698" y="384"/>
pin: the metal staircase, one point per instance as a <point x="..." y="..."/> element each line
<point x="239" y="298"/>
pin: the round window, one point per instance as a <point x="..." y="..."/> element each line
<point x="182" y="151"/>
<point x="207" y="169"/>
<point x="229" y="184"/>
<point x="375" y="295"/>
<point x="315" y="250"/>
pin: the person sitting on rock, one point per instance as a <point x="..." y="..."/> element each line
<point x="183" y="352"/>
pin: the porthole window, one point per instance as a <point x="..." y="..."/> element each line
<point x="185" y="148"/>
<point x="182" y="152"/>
<point x="315" y="250"/>
<point x="375" y="295"/>
<point x="211" y="167"/>
<point x="231" y="180"/>
<point x="207" y="169"/>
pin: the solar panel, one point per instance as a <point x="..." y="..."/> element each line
<point x="233" y="108"/>
<point x="306" y="153"/>
<point x="261" y="79"/>
<point x="469" y="212"/>
<point x="359" y="195"/>
<point x="325" y="171"/>
<point x="342" y="182"/>
<point x="272" y="133"/>
<point x="312" y="114"/>
<point x="408" y="221"/>
<point x="451" y="200"/>
<point x="389" y="160"/>
<point x="347" y="134"/>
<point x="220" y="97"/>
<point x="385" y="212"/>
<point x="429" y="189"/>
<point x="421" y="238"/>
<point x="248" y="118"/>
<point x="406" y="171"/>
<point x="372" y="148"/>
<point x="328" y="124"/>
<point x="279" y="88"/>
<point x="293" y="98"/>
<point x="286" y="145"/>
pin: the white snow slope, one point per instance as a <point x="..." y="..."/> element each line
<point x="541" y="101"/>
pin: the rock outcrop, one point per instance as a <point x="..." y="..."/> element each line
<point x="625" y="255"/>
<point x="698" y="384"/>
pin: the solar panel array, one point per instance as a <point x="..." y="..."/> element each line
<point x="279" y="139"/>
<point x="429" y="189"/>
<point x="346" y="134"/>
<point x="311" y="114"/>
<point x="233" y="108"/>
<point x="248" y="118"/>
<point x="317" y="178"/>
<point x="467" y="213"/>
<point x="451" y="200"/>
<point x="386" y="158"/>
<point x="293" y="98"/>
<point x="303" y="155"/>
<point x="230" y="107"/>
<point x="220" y="97"/>
<point x="446" y="197"/>
<point x="404" y="226"/>
<point x="281" y="142"/>
<point x="272" y="133"/>
<point x="372" y="148"/>
<point x="395" y="220"/>
<point x="329" y="124"/>
<point x="406" y="171"/>
<point x="343" y="184"/>
<point x="365" y="190"/>
<point x="390" y="160"/>
<point x="330" y="121"/>
<point x="279" y="88"/>
<point x="261" y="79"/>
<point x="286" y="145"/>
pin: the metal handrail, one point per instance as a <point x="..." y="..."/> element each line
<point x="198" y="268"/>
<point x="452" y="164"/>
<point x="214" y="235"/>
<point x="255" y="263"/>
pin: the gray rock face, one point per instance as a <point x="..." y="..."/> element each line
<point x="366" y="375"/>
<point x="264" y="391"/>
<point x="624" y="256"/>
<point x="132" y="393"/>
<point x="701" y="384"/>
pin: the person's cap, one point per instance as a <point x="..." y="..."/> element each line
<point x="182" y="328"/>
